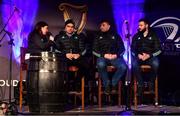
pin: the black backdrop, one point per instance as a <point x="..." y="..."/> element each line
<point x="169" y="74"/>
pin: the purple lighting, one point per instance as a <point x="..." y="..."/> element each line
<point x="127" y="11"/>
<point x="21" y="21"/>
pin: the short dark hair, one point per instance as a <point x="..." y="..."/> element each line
<point x="69" y="21"/>
<point x="144" y="20"/>
<point x="106" y="21"/>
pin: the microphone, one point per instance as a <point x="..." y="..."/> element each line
<point x="51" y="37"/>
<point x="126" y="21"/>
<point x="49" y="33"/>
<point x="127" y="29"/>
<point x="16" y="9"/>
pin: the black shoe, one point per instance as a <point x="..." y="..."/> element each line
<point x="107" y="90"/>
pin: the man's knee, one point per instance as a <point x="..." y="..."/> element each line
<point x="155" y="64"/>
<point x="101" y="64"/>
<point x="135" y="62"/>
<point x="135" y="66"/>
<point x="121" y="65"/>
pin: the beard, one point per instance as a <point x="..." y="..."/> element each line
<point x="142" y="31"/>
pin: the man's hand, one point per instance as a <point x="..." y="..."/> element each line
<point x="140" y="56"/>
<point x="69" y="56"/>
<point x="113" y="56"/>
<point x="110" y="56"/>
<point x="107" y="56"/>
<point x="145" y="56"/>
<point x="76" y="56"/>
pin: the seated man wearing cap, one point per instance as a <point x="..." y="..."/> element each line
<point x="72" y="46"/>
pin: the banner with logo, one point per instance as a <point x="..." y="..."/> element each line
<point x="169" y="33"/>
<point x="167" y="24"/>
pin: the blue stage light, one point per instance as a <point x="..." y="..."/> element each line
<point x="20" y="24"/>
<point x="127" y="11"/>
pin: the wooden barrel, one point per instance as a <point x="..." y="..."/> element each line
<point x="46" y="82"/>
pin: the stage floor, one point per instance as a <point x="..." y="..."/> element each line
<point x="115" y="110"/>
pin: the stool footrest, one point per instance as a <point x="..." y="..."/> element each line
<point x="148" y="92"/>
<point x="74" y="93"/>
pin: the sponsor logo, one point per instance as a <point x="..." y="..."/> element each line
<point x="169" y="33"/>
<point x="14" y="83"/>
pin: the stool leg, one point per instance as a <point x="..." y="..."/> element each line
<point x="75" y="100"/>
<point x="135" y="93"/>
<point x="75" y="97"/>
<point x="20" y="90"/>
<point x="82" y="90"/>
<point x="75" y="74"/>
<point x="119" y="93"/>
<point x="109" y="98"/>
<point x="156" y="91"/>
<point x="90" y="94"/>
<point x="130" y="97"/>
<point x="99" y="92"/>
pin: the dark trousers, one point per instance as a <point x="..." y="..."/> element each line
<point x="136" y="63"/>
<point x="75" y="82"/>
<point x="85" y="69"/>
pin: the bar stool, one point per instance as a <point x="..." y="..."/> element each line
<point x="146" y="68"/>
<point x="100" y="92"/>
<point x="23" y="67"/>
<point x="76" y="93"/>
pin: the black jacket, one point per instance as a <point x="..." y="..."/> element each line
<point x="108" y="42"/>
<point x="72" y="44"/>
<point x="37" y="44"/>
<point x="149" y="44"/>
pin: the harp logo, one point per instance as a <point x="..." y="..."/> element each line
<point x="169" y="33"/>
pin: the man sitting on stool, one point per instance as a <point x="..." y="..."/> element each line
<point x="109" y="48"/>
<point x="72" y="46"/>
<point x="145" y="49"/>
